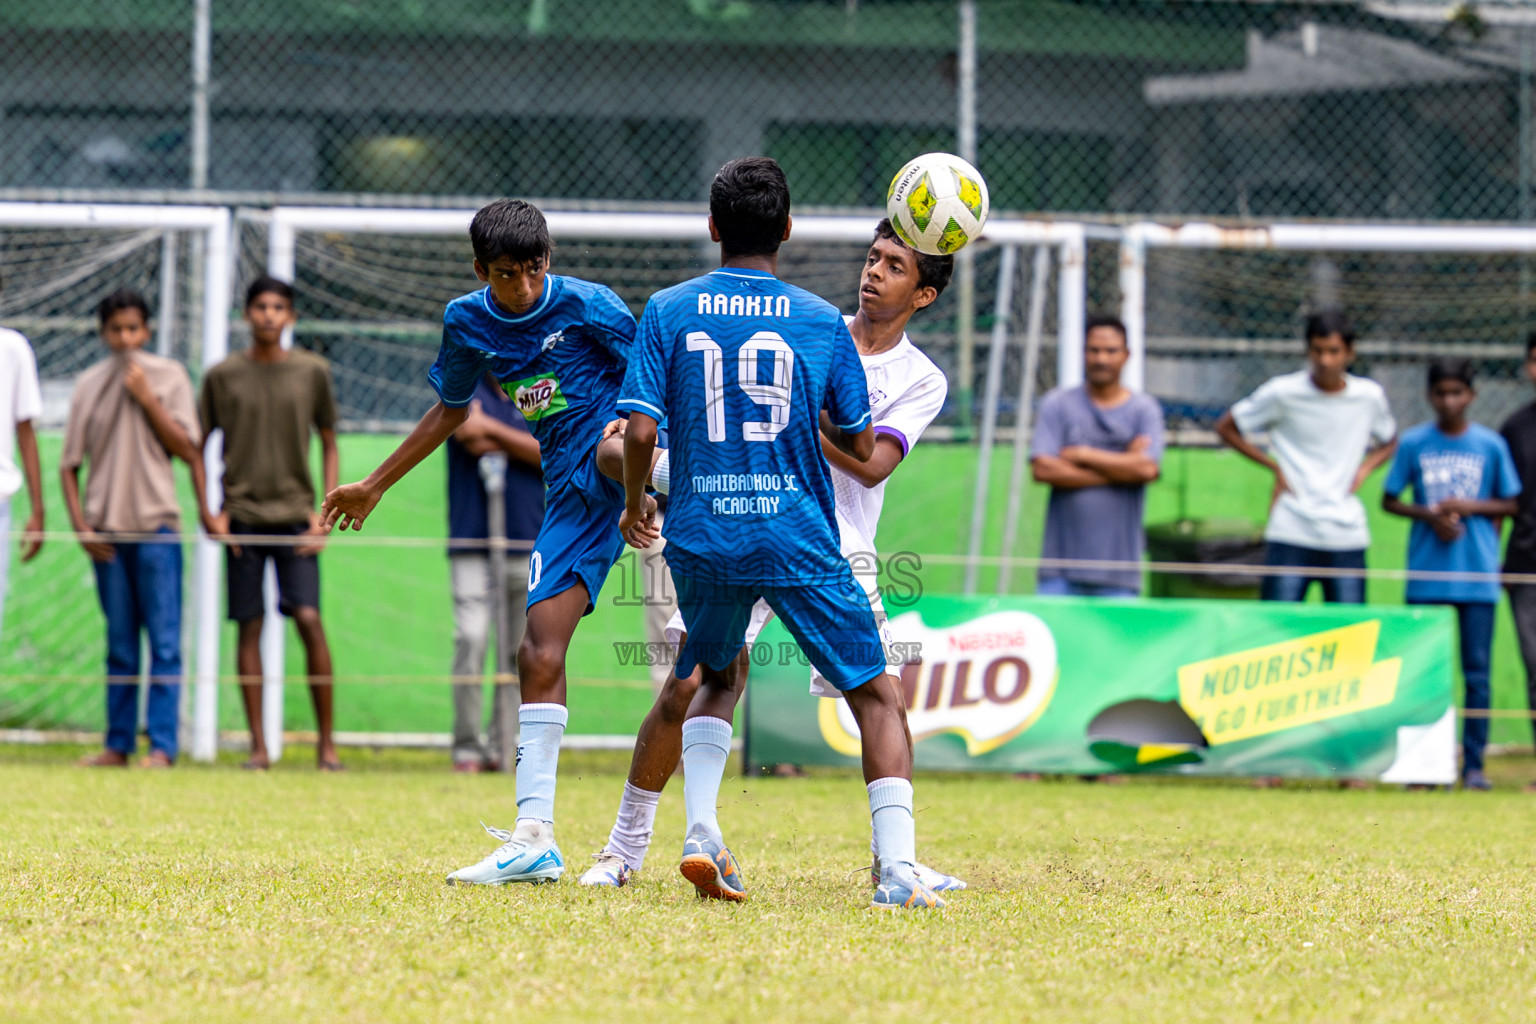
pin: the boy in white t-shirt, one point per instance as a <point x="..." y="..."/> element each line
<point x="21" y="402"/>
<point x="1328" y="430"/>
<point x="906" y="391"/>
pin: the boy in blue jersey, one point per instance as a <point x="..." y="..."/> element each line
<point x="559" y="347"/>
<point x="1463" y="481"/>
<point x="749" y="373"/>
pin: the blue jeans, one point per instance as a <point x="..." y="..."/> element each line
<point x="140" y="591"/>
<point x="1475" y="624"/>
<point x="1336" y="589"/>
<point x="1060" y="586"/>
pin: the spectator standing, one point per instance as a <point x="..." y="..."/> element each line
<point x="129" y="414"/>
<point x="1519" y="432"/>
<point x="1098" y="445"/>
<point x="267" y="400"/>
<point x="1328" y="431"/>
<point x="494" y="425"/>
<point x="1464" y="482"/>
<point x="21" y="402"/>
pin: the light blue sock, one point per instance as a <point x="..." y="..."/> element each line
<point x="890" y="810"/>
<point x="540" y="727"/>
<point x="706" y="746"/>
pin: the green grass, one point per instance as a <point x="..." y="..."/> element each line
<point x="209" y="894"/>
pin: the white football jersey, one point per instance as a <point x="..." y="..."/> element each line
<point x="906" y="391"/>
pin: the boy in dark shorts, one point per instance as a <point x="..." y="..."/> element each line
<point x="266" y="400"/>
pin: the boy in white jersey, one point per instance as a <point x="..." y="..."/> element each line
<point x="906" y="391"/>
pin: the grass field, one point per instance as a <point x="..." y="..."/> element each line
<point x="207" y="894"/>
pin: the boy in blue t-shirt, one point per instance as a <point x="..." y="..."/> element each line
<point x="749" y="373"/>
<point x="1463" y="481"/>
<point x="558" y="346"/>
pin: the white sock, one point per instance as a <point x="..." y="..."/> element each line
<point x="631" y="835"/>
<point x="706" y="746"/>
<point x="540" y="727"/>
<point x="890" y="812"/>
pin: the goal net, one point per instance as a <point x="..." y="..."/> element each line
<point x="371" y="286"/>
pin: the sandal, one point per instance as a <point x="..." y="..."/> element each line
<point x="156" y="759"/>
<point x="104" y="759"/>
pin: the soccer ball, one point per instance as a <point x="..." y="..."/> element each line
<point x="937" y="203"/>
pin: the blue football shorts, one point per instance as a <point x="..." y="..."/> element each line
<point x="832" y="623"/>
<point x="579" y="541"/>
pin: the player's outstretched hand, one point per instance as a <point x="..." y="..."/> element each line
<point x="347" y="506"/>
<point x="639" y="529"/>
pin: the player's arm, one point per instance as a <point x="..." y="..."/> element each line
<point x="1069" y="476"/>
<point x="637" y="525"/>
<point x="882" y="463"/>
<point x="350" y="504"/>
<point x="860" y="445"/>
<point x="1133" y="466"/>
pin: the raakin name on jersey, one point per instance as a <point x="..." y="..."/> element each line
<point x="718" y="304"/>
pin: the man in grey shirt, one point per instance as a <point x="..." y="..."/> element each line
<point x="1098" y="445"/>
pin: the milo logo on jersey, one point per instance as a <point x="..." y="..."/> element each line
<point x="986" y="681"/>
<point x="537" y="397"/>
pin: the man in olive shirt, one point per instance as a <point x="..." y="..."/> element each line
<point x="266" y="400"/>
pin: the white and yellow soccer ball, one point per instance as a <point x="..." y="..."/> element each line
<point x="938" y="203"/>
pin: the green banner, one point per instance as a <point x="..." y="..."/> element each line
<point x="1083" y="686"/>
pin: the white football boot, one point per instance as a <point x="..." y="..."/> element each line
<point x="528" y="854"/>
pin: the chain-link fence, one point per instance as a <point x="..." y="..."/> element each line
<point x="1376" y="109"/>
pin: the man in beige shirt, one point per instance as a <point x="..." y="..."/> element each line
<point x="129" y="414"/>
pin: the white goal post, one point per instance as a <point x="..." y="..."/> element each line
<point x="1066" y="240"/>
<point x="1138" y="238"/>
<point x="212" y="225"/>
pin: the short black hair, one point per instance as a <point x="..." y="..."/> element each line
<point x="512" y="228"/>
<point x="266" y="284"/>
<point x="1530" y="343"/>
<point x="1450" y="368"/>
<point x="1330" y="321"/>
<point x="1105" y="320"/>
<point x="749" y="200"/>
<point x="932" y="271"/>
<point x="123" y="298"/>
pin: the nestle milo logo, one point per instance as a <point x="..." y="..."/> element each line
<point x="985" y="680"/>
<point x="537" y="397"/>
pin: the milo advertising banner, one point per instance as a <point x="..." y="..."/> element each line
<point x="1091" y="686"/>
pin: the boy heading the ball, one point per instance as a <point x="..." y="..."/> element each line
<point x="906" y="391"/>
<point x="559" y="347"/>
<point x="748" y="387"/>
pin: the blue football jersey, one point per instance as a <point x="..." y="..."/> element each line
<point x="740" y="365"/>
<point x="562" y="362"/>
